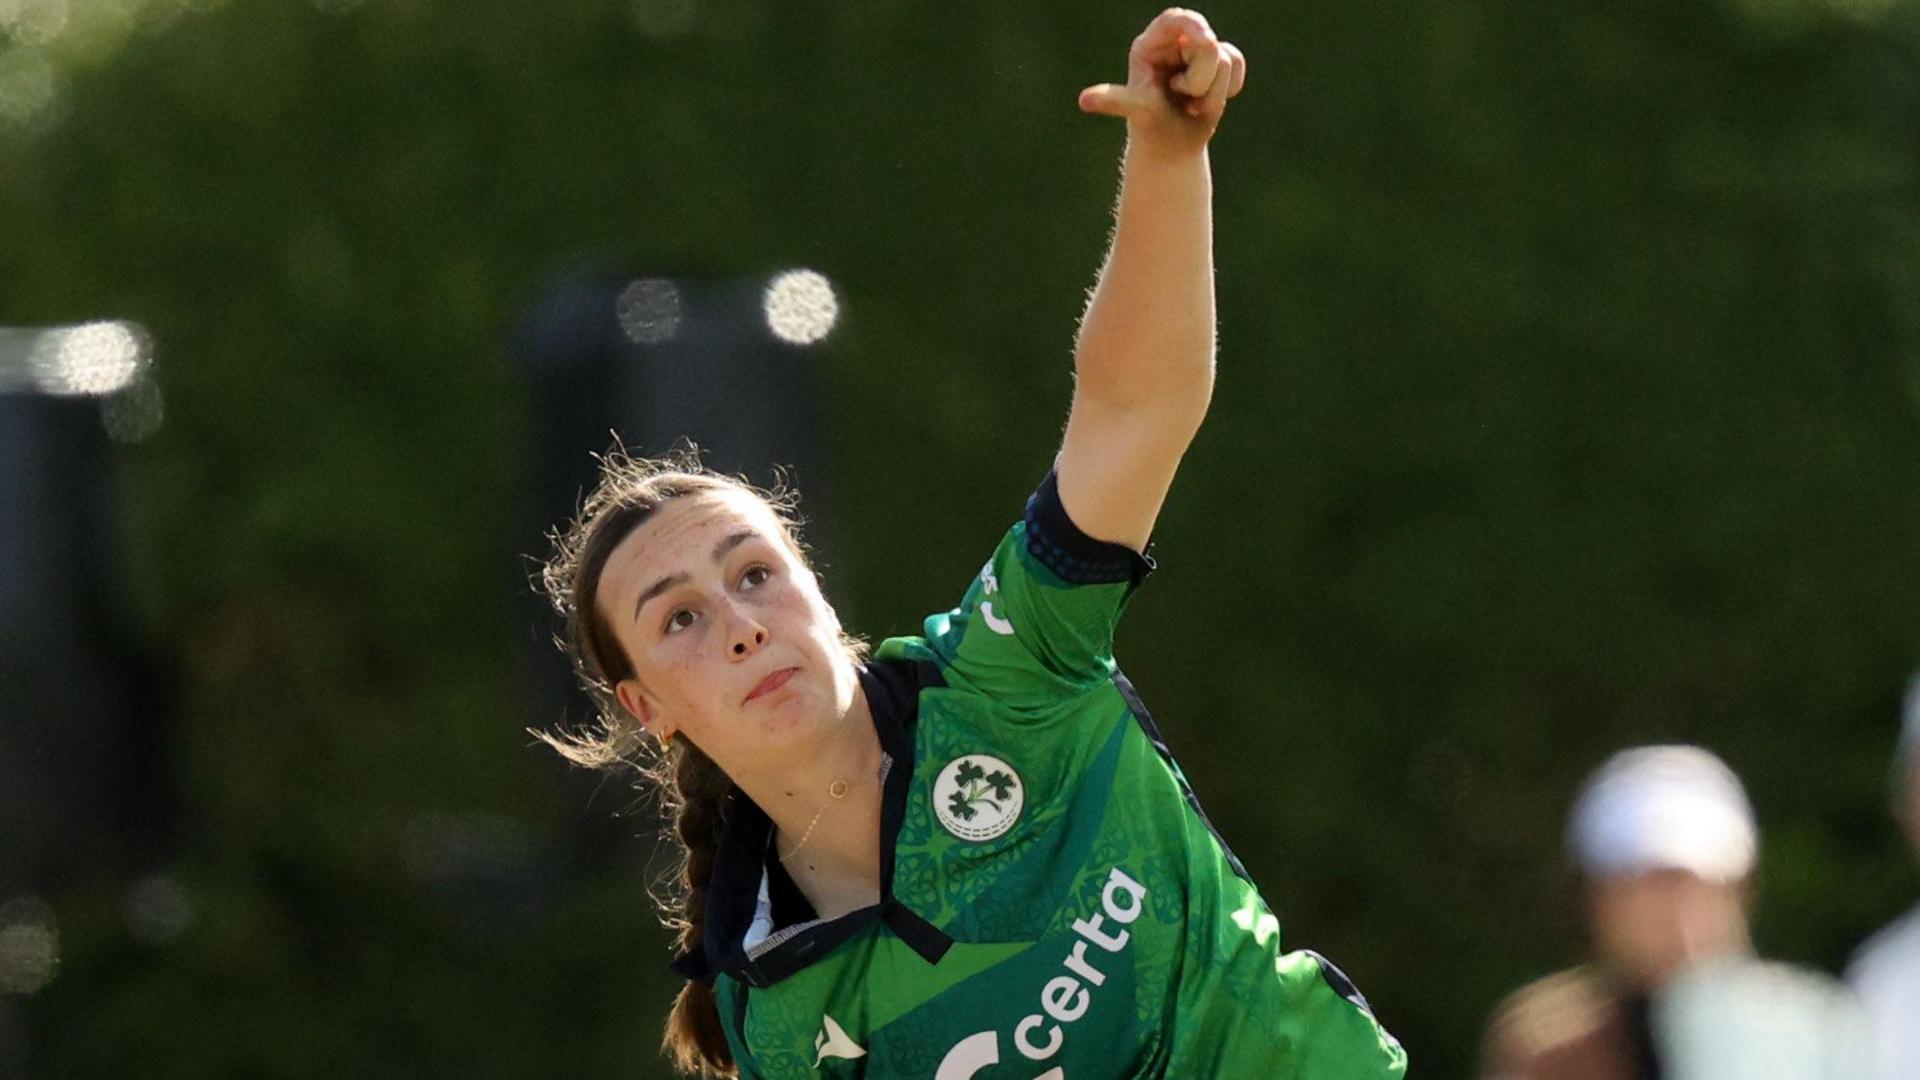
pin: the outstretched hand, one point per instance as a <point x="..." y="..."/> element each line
<point x="1179" y="77"/>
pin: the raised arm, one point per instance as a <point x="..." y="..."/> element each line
<point x="1143" y="363"/>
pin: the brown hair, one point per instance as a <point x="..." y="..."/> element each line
<point x="693" y="791"/>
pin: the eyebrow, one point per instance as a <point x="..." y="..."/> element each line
<point x="671" y="581"/>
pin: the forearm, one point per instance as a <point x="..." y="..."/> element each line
<point x="1147" y="339"/>
<point x="1143" y="362"/>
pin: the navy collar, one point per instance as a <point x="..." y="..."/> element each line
<point x="740" y="862"/>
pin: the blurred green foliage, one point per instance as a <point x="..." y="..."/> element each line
<point x="1570" y="357"/>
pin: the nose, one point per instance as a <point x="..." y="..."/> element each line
<point x="745" y="635"/>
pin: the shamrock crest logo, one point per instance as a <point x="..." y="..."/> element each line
<point x="978" y="797"/>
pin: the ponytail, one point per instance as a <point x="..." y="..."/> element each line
<point x="694" y="1040"/>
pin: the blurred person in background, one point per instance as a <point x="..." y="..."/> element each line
<point x="972" y="848"/>
<point x="1886" y="970"/>
<point x="1666" y="842"/>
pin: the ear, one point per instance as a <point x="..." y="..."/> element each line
<point x="634" y="700"/>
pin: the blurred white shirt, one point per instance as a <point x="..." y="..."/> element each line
<point x="1886" y="975"/>
<point x="1747" y="1019"/>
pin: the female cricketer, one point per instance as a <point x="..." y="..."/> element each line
<point x="969" y="854"/>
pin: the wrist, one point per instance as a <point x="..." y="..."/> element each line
<point x="1154" y="151"/>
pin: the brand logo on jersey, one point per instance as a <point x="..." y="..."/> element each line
<point x="989" y="585"/>
<point x="1066" y="997"/>
<point x="1003" y="627"/>
<point x="833" y="1041"/>
<point x="978" y="797"/>
<point x="976" y="1052"/>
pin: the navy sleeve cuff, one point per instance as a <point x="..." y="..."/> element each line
<point x="1059" y="545"/>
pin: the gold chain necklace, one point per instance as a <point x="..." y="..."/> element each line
<point x="837" y="790"/>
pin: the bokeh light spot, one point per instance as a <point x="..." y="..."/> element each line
<point x="29" y="945"/>
<point x="801" y="307"/>
<point x="92" y="358"/>
<point x="649" y="311"/>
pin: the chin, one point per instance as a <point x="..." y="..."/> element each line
<point x="793" y="717"/>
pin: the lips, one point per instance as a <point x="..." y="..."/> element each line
<point x="772" y="682"/>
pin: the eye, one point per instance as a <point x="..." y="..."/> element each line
<point x="678" y="621"/>
<point x="755" y="576"/>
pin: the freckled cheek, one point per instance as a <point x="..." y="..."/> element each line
<point x="805" y="613"/>
<point x="677" y="669"/>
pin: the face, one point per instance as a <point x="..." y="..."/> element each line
<point x="1649" y="926"/>
<point x="730" y="640"/>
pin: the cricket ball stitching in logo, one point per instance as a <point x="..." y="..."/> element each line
<point x="978" y="797"/>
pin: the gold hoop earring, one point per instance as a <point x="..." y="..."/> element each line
<point x="666" y="741"/>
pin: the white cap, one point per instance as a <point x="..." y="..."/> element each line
<point x="1663" y="808"/>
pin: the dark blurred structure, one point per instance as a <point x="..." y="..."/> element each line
<point x="87" y="793"/>
<point x="83" y="705"/>
<point x="654" y="362"/>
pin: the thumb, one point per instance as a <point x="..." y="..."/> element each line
<point x="1108" y="99"/>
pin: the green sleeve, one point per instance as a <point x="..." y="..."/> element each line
<point x="1023" y="633"/>
<point x="1328" y="1029"/>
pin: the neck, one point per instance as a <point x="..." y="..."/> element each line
<point x="830" y="846"/>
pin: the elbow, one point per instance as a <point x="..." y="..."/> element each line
<point x="1171" y="393"/>
<point x="1169" y="416"/>
<point x="1183" y="412"/>
<point x="1170" y="405"/>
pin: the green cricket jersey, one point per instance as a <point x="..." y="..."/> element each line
<point x="1055" y="905"/>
